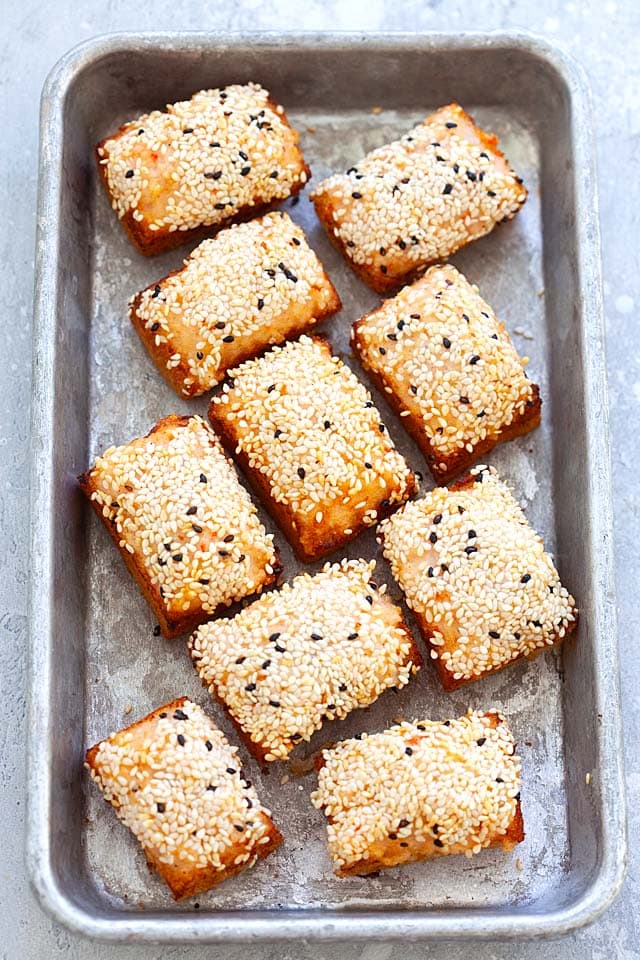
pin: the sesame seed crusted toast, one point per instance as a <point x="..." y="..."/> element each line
<point x="311" y="651"/>
<point x="418" y="199"/>
<point x="306" y="433"/>
<point x="179" y="175"/>
<point x="177" y="783"/>
<point x="477" y="578"/>
<point x="251" y="286"/>
<point x="185" y="526"/>
<point x="420" y="790"/>
<point x="449" y="369"/>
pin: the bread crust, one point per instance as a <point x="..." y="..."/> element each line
<point x="387" y="852"/>
<point x="318" y="539"/>
<point x="427" y="629"/>
<point x="404" y="270"/>
<point x="184" y="879"/>
<point x="153" y="242"/>
<point x="256" y="748"/>
<point x="461" y="459"/>
<point x="171" y="625"/>
<point x="286" y="326"/>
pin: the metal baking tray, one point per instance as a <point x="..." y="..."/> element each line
<point x="93" y="653"/>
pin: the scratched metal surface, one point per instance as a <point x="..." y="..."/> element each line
<point x="119" y="664"/>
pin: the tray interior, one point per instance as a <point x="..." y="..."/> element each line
<point x="107" y="391"/>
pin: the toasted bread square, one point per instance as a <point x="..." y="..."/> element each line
<point x="421" y="790"/>
<point x="419" y="199"/>
<point x="179" y="175"/>
<point x="253" y="285"/>
<point x="177" y="783"/>
<point x="449" y="368"/>
<point x="477" y="577"/>
<point x="186" y="528"/>
<point x="306" y="432"/>
<point x="314" y="650"/>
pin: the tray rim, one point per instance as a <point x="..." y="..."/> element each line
<point x="265" y="926"/>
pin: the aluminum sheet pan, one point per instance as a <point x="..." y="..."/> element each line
<point x="93" y="652"/>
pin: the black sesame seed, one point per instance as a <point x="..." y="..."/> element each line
<point x="220" y="206"/>
<point x="444" y="568"/>
<point x="460" y="509"/>
<point x="470" y="550"/>
<point x="220" y="325"/>
<point x="199" y="354"/>
<point x="413" y="389"/>
<point x="369" y="600"/>
<point x="474" y="359"/>
<point x="240" y="660"/>
<point x="402" y="244"/>
<point x="414" y="316"/>
<point x="471" y="175"/>
<point x="392" y="336"/>
<point x="450" y="125"/>
<point x="162" y="715"/>
<point x="154" y="327"/>
<point x="356" y="195"/>
<point x="516" y="636"/>
<point x="156" y="630"/>
<point x="446" y="342"/>
<point x="181" y="740"/>
<point x="438" y="842"/>
<point x="129" y="174"/>
<point x="342" y="687"/>
<point x="382" y="350"/>
<point x="277" y="433"/>
<point x="352" y="636"/>
<point x="383" y="251"/>
<point x="274" y="174"/>
<point x="203" y="478"/>
<point x="494" y="336"/>
<point x="302" y="473"/>
<point x="223" y="553"/>
<point x="430" y="572"/>
<point x="250" y="687"/>
<point x="456" y="168"/>
<point x="141" y="130"/>
<point x="273" y="637"/>
<point x="241" y="558"/>
<point x="161" y="807"/>
<point x="448" y="187"/>
<point x="266" y="664"/>
<point x="180" y="715"/>
<point x="296" y="736"/>
<point x="316" y="636"/>
<point x="274" y="703"/>
<point x="156" y="292"/>
<point x="438" y="518"/>
<point x="244" y="171"/>
<point x="408" y="751"/>
<point x="383" y="269"/>
<point x="188" y="130"/>
<point x="499" y="780"/>
<point x="260" y="303"/>
<point x="403" y="843"/>
<point x="243" y="155"/>
<point x="208" y="745"/>
<point x="331" y="706"/>
<point x="327" y="424"/>
<point x="471" y="534"/>
<point x="464" y="400"/>
<point x="204" y="580"/>
<point x="228" y="339"/>
<point x="526" y="578"/>
<point x="271" y="388"/>
<point x="381" y="427"/>
<point x="491" y="193"/>
<point x="368" y="404"/>
<point x="177" y="557"/>
<point x="433" y="537"/>
<point x="196" y="527"/>
<point x="280" y="649"/>
<point x="393" y="836"/>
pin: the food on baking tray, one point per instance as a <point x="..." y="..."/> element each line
<point x="177" y="783"/>
<point x="186" y="528"/>
<point x="476" y="575"/>
<point x="419" y="199"/>
<point x="221" y="156"/>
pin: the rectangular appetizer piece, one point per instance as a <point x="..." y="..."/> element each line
<point x="314" y="650"/>
<point x="253" y="285"/>
<point x="450" y="370"/>
<point x="305" y="430"/>
<point x="181" y="174"/>
<point x="187" y="530"/>
<point x="477" y="577"/>
<point x="176" y="782"/>
<point x="420" y="790"/>
<point x="419" y="199"/>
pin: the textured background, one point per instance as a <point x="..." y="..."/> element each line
<point x="605" y="37"/>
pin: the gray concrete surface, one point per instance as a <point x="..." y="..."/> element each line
<point x="605" y="37"/>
